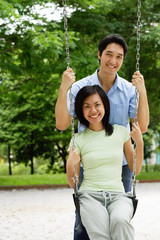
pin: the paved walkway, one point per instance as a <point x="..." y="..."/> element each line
<point x="49" y="214"/>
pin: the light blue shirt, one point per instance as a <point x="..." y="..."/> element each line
<point x="121" y="97"/>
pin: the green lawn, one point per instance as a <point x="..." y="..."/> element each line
<point x="33" y="179"/>
<point x="148" y="176"/>
<point x="56" y="179"/>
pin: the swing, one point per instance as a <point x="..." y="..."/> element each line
<point x="75" y="178"/>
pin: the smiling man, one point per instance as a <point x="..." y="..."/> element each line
<point x="121" y="93"/>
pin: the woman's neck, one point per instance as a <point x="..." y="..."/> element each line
<point x="96" y="127"/>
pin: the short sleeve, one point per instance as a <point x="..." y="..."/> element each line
<point x="126" y="135"/>
<point x="68" y="103"/>
<point x="132" y="103"/>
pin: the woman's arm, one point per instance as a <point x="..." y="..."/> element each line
<point x="129" y="151"/>
<point x="72" y="162"/>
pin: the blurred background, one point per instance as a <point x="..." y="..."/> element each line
<point x="32" y="60"/>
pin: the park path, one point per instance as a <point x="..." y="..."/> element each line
<point x="49" y="214"/>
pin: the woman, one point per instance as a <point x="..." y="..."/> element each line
<point x="105" y="209"/>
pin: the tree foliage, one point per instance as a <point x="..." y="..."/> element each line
<point x="33" y="58"/>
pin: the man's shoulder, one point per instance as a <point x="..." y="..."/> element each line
<point x="126" y="84"/>
<point x="89" y="80"/>
<point x="124" y="81"/>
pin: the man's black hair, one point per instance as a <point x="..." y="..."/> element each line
<point x="114" y="38"/>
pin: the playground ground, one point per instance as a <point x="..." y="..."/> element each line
<point x="48" y="214"/>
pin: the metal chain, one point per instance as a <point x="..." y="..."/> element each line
<point x="66" y="32"/>
<point x="68" y="65"/>
<point x="136" y="91"/>
<point x="138" y="34"/>
<point x="75" y="178"/>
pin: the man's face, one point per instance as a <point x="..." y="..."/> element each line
<point x="112" y="58"/>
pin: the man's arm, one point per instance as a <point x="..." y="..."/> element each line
<point x="63" y="119"/>
<point x="143" y="108"/>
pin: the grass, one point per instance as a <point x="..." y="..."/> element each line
<point x="148" y="176"/>
<point x="20" y="180"/>
<point x="52" y="179"/>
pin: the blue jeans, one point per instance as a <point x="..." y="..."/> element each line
<point x="127" y="178"/>
<point x="79" y="230"/>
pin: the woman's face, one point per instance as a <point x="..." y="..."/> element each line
<point x="93" y="110"/>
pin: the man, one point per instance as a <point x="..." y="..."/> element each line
<point x="111" y="53"/>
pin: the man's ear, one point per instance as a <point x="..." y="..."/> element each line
<point x="99" y="56"/>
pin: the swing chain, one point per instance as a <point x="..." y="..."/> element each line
<point x="75" y="180"/>
<point x="68" y="65"/>
<point x="136" y="92"/>
<point x="66" y="32"/>
<point x="138" y="34"/>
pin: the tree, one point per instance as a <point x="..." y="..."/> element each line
<point x="33" y="58"/>
<point x="27" y="87"/>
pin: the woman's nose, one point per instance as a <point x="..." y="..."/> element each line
<point x="93" y="109"/>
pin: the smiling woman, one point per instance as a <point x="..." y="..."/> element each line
<point x="102" y="188"/>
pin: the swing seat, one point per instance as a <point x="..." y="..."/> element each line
<point x="135" y="203"/>
<point x="77" y="206"/>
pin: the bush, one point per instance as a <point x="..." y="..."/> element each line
<point x="42" y="169"/>
<point x="17" y="169"/>
<point x="20" y="169"/>
<point x="4" y="169"/>
<point x="156" y="168"/>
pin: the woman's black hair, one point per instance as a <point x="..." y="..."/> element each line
<point x="82" y="95"/>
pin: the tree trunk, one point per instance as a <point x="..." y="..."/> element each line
<point x="63" y="153"/>
<point x="146" y="166"/>
<point x="51" y="162"/>
<point x="32" y="165"/>
<point x="9" y="160"/>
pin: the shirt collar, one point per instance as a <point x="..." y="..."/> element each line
<point x="117" y="84"/>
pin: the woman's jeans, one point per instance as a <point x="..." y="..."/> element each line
<point x="79" y="230"/>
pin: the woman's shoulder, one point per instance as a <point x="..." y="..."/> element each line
<point x="117" y="127"/>
<point x="81" y="134"/>
<point x="121" y="132"/>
